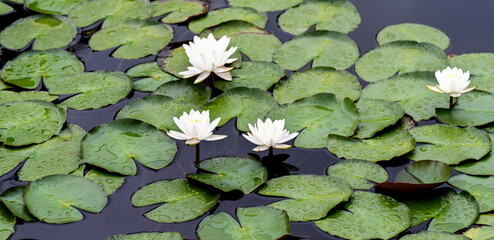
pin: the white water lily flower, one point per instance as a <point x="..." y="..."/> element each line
<point x="195" y="127"/>
<point x="269" y="134"/>
<point x="208" y="55"/>
<point x="452" y="81"/>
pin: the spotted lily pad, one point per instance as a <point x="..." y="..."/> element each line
<point x="248" y="44"/>
<point x="116" y="145"/>
<point x="7" y="222"/>
<point x="148" y="236"/>
<point x="317" y="117"/>
<point x="185" y="90"/>
<point x="472" y="109"/>
<point x="333" y="15"/>
<point x="482" y="188"/>
<point x="426" y="235"/>
<point x="179" y="10"/>
<point x="110" y="182"/>
<point x="413" y="32"/>
<point x="4" y="9"/>
<point x="449" y="144"/>
<point x="311" y="196"/>
<point x="28" y="68"/>
<point x="30" y="121"/>
<point x="377" y="114"/>
<point x="253" y="74"/>
<point x="326" y="49"/>
<point x="480" y="67"/>
<point x="450" y="210"/>
<point x="265" y="6"/>
<point x="232" y="173"/>
<point x="409" y="90"/>
<point x="55" y="7"/>
<point x="484" y="166"/>
<point x="400" y="57"/>
<point x="223" y="15"/>
<point x="12" y="198"/>
<point x="247" y="104"/>
<point x="184" y="201"/>
<point x="154" y="76"/>
<point x="258" y="222"/>
<point x="135" y="38"/>
<point x="93" y="90"/>
<point x="232" y="27"/>
<point x="46" y="31"/>
<point x="317" y="80"/>
<point x="9" y="96"/>
<point x="367" y="216"/>
<point x="359" y="173"/>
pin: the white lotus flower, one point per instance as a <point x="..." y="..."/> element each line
<point x="452" y="81"/>
<point x="195" y="127"/>
<point x="208" y="55"/>
<point x="269" y="134"/>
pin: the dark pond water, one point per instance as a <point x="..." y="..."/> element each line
<point x="468" y="23"/>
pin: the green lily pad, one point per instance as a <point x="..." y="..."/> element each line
<point x="472" y="109"/>
<point x="9" y="96"/>
<point x="253" y="74"/>
<point x="377" y="114"/>
<point x="400" y="57"/>
<point x="258" y="222"/>
<point x="333" y="15"/>
<point x="317" y="117"/>
<point x="484" y="166"/>
<point x="248" y="44"/>
<point x="155" y="77"/>
<point x="450" y="210"/>
<point x="359" y="173"/>
<point x="12" y="198"/>
<point x="326" y="49"/>
<point x="4" y="85"/>
<point x="265" y="6"/>
<point x="157" y="110"/>
<point x="28" y="68"/>
<point x="93" y="89"/>
<point x="46" y="31"/>
<point x="185" y="90"/>
<point x="179" y="10"/>
<point x="55" y="7"/>
<point x="317" y="80"/>
<point x="367" y="216"/>
<point x="480" y="233"/>
<point x="30" y="121"/>
<point x="410" y="91"/>
<point x="116" y="145"/>
<point x="113" y="11"/>
<point x="232" y="173"/>
<point x="183" y="201"/>
<point x="449" y="144"/>
<point x="480" y="67"/>
<point x="482" y="188"/>
<point x="426" y="235"/>
<point x="108" y="181"/>
<point x="230" y="28"/>
<point x="247" y="104"/>
<point x="223" y="15"/>
<point x="148" y="236"/>
<point x="4" y="9"/>
<point x="311" y="196"/>
<point x="413" y="32"/>
<point x="382" y="147"/>
<point x="135" y="38"/>
<point x="7" y="222"/>
<point x="486" y="219"/>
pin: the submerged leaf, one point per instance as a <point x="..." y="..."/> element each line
<point x="413" y="32"/>
<point x="179" y="10"/>
<point x="154" y="76"/>
<point x="482" y="188"/>
<point x="223" y="15"/>
<point x="359" y="173"/>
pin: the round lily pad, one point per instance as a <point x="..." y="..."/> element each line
<point x="413" y="32"/>
<point x="28" y="68"/>
<point x="55" y="7"/>
<point x="135" y="38"/>
<point x="473" y="109"/>
<point x="52" y="199"/>
<point x="46" y="31"/>
<point x="248" y="44"/>
<point x="482" y="188"/>
<point x="265" y="6"/>
<point x="258" y="222"/>
<point x="317" y="117"/>
<point x="326" y="49"/>
<point x="253" y="74"/>
<point x="449" y="144"/>
<point x="409" y="90"/>
<point x="333" y="15"/>
<point x="110" y="182"/>
<point x="232" y="173"/>
<point x="93" y="90"/>
<point x="185" y="90"/>
<point x="480" y="67"/>
<point x="154" y="76"/>
<point x="12" y="198"/>
<point x="359" y="173"/>
<point x="311" y="196"/>
<point x="184" y="201"/>
<point x="223" y="15"/>
<point x="400" y="57"/>
<point x="247" y="104"/>
<point x="450" y="210"/>
<point x="480" y="233"/>
<point x="317" y="80"/>
<point x="179" y="10"/>
<point x="367" y="216"/>
<point x="9" y="96"/>
<point x="426" y="235"/>
<point x="30" y="121"/>
<point x="116" y="145"/>
<point x="7" y="222"/>
<point x="148" y="236"/>
<point x="230" y="28"/>
<point x="484" y="166"/>
<point x="4" y="85"/>
<point x="4" y="9"/>
<point x="375" y="115"/>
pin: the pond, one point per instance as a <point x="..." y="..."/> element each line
<point x="467" y="25"/>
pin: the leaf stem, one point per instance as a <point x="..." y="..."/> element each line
<point x="450" y="103"/>
<point x="197" y="154"/>
<point x="270" y="151"/>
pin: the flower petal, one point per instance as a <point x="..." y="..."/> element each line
<point x="225" y="75"/>
<point x="177" y="135"/>
<point x="216" y="137"/>
<point x="192" y="141"/>
<point x="282" y="146"/>
<point x="260" y="148"/>
<point x="201" y="77"/>
<point x="434" y="88"/>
